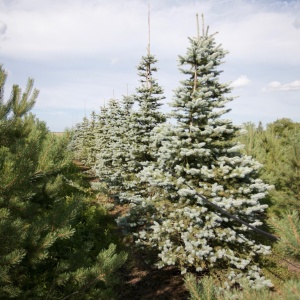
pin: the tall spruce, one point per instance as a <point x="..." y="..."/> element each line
<point x="127" y="148"/>
<point x="149" y="96"/>
<point x="121" y="148"/>
<point x="107" y="141"/>
<point x="198" y="156"/>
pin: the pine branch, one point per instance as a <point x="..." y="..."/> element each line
<point x="295" y="230"/>
<point x="85" y="288"/>
<point x="191" y="285"/>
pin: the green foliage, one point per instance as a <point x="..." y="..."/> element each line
<point x="49" y="248"/>
<point x="278" y="148"/>
<point x="288" y="229"/>
<point x="209" y="289"/>
<point x="204" y="290"/>
<point x="290" y="290"/>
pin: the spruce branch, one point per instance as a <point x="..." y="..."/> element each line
<point x="224" y="212"/>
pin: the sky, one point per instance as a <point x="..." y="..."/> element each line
<point x="81" y="53"/>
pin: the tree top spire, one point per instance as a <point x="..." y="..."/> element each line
<point x="148" y="48"/>
<point x="197" y="20"/>
<point x="198" y="27"/>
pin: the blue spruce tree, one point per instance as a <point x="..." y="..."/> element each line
<point x="198" y="157"/>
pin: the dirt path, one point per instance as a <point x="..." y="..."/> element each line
<point x="141" y="281"/>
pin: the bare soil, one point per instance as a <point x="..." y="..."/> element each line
<point x="141" y="280"/>
<point x="144" y="283"/>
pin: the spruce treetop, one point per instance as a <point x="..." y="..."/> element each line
<point x="149" y="93"/>
<point x="200" y="95"/>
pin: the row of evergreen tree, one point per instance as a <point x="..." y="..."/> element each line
<point x="180" y="176"/>
<point x="192" y="189"/>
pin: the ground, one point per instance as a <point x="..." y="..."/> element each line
<point x="142" y="281"/>
<point x="139" y="280"/>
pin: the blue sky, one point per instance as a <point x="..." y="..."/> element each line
<point x="82" y="52"/>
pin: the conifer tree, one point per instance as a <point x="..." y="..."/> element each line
<point x="80" y="141"/>
<point x="278" y="149"/>
<point x="141" y="123"/>
<point x="76" y="140"/>
<point x="149" y="95"/>
<point x="101" y="135"/>
<point x="287" y="227"/>
<point x="106" y="142"/>
<point x="198" y="156"/>
<point x="122" y="152"/>
<point x="48" y="249"/>
<point x="91" y="140"/>
<point x="83" y="142"/>
<point x="127" y="134"/>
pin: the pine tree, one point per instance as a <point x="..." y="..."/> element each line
<point x="278" y="149"/>
<point x="198" y="156"/>
<point x="48" y="249"/>
<point x="287" y="227"/>
<point x="281" y="150"/>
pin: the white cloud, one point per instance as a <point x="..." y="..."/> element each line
<point x="80" y="51"/>
<point x="49" y="30"/>
<point x="45" y="29"/>
<point x="114" y="61"/>
<point x="242" y="81"/>
<point x="262" y="37"/>
<point x="297" y="23"/>
<point x="278" y="86"/>
<point x="3" y="28"/>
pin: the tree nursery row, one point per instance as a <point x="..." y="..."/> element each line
<point x="218" y="201"/>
